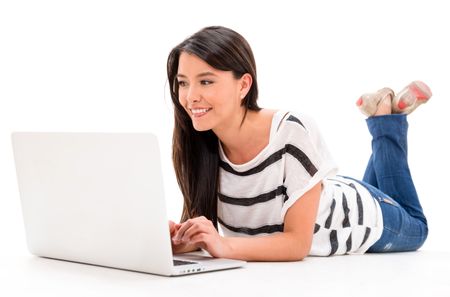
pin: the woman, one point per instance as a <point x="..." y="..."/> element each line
<point x="267" y="177"/>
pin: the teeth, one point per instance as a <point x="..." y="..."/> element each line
<point x="196" y="111"/>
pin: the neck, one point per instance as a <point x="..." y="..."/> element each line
<point x="241" y="143"/>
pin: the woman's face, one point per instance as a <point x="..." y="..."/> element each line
<point x="211" y="97"/>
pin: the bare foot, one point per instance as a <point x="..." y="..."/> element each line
<point x="369" y="103"/>
<point x="385" y="106"/>
<point x="413" y="95"/>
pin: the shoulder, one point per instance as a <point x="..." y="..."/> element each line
<point x="296" y="122"/>
<point x="301" y="130"/>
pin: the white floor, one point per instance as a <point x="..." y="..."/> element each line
<point x="423" y="273"/>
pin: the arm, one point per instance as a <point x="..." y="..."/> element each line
<point x="292" y="244"/>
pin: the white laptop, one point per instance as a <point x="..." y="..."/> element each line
<point x="98" y="198"/>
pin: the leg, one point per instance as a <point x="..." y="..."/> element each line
<point x="390" y="164"/>
<point x="405" y="225"/>
<point x="369" y="175"/>
<point x="381" y="103"/>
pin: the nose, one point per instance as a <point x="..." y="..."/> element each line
<point x="193" y="94"/>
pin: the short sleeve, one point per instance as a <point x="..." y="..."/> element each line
<point x="307" y="158"/>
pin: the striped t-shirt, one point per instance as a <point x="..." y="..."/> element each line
<point x="254" y="197"/>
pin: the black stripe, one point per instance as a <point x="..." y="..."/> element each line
<point x="333" y="242"/>
<point x="253" y="200"/>
<point x="366" y="236"/>
<point x="346" y="221"/>
<point x="289" y="148"/>
<point x="358" y="201"/>
<point x="316" y="228"/>
<point x="254" y="231"/>
<point x="360" y="205"/>
<point x="330" y="216"/>
<point x="294" y="119"/>
<point x="302" y="158"/>
<point x="348" y="243"/>
<point x="269" y="161"/>
<point x="286" y="197"/>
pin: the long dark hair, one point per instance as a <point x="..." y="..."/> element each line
<point x="195" y="154"/>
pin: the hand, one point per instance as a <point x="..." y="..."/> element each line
<point x="177" y="248"/>
<point x="201" y="233"/>
<point x="173" y="228"/>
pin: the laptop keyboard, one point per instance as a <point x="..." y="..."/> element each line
<point x="179" y="262"/>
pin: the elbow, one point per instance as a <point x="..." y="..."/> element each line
<point x="298" y="256"/>
<point x="294" y="256"/>
<point x="302" y="256"/>
<point x="298" y="252"/>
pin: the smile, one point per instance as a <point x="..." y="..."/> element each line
<point x="198" y="112"/>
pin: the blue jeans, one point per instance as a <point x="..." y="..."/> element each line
<point x="389" y="180"/>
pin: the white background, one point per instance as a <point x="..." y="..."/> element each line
<point x="100" y="66"/>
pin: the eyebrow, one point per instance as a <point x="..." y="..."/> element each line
<point x="207" y="73"/>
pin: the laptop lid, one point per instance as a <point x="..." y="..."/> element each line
<point x="98" y="198"/>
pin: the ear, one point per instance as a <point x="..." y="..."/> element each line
<point x="245" y="83"/>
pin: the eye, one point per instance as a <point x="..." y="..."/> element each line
<point x="182" y="83"/>
<point x="206" y="82"/>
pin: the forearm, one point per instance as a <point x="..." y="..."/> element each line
<point x="276" y="247"/>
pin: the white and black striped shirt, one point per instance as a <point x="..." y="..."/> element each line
<point x="254" y="197"/>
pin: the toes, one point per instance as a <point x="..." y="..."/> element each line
<point x="359" y="102"/>
<point x="411" y="97"/>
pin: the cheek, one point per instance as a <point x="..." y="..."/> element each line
<point x="230" y="99"/>
<point x="182" y="98"/>
<point x="183" y="104"/>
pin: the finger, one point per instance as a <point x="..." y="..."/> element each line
<point x="176" y="228"/>
<point x="193" y="227"/>
<point x="173" y="227"/>
<point x="183" y="227"/>
<point x="196" y="228"/>
<point x="188" y="224"/>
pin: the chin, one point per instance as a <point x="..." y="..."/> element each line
<point x="202" y="125"/>
<point x="201" y="129"/>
